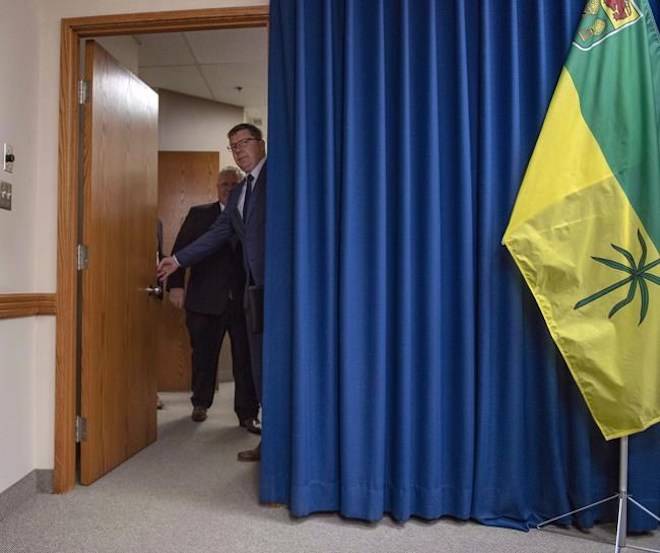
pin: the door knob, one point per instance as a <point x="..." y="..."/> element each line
<point x="154" y="290"/>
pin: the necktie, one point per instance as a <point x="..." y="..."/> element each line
<point x="248" y="193"/>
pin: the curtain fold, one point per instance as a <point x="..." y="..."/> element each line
<point x="407" y="368"/>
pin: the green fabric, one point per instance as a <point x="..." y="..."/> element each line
<point x="618" y="81"/>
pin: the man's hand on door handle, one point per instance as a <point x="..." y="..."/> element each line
<point x="166" y="267"/>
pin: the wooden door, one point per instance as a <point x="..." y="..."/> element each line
<point x="120" y="194"/>
<point x="184" y="179"/>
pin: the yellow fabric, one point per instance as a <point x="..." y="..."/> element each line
<point x="566" y="158"/>
<point x="571" y="207"/>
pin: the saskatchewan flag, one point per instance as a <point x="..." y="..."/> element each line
<point x="585" y="228"/>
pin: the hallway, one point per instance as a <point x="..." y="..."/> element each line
<point x="187" y="494"/>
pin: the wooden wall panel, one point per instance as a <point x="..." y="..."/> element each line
<point x="26" y="305"/>
<point x="184" y="179"/>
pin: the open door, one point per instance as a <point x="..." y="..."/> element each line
<point x="119" y="221"/>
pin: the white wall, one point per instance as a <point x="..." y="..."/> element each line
<point x="18" y="126"/>
<point x="17" y="409"/>
<point x="123" y="48"/>
<point x="29" y="96"/>
<point x="186" y="123"/>
<point x="18" y="229"/>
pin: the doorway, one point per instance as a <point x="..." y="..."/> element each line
<point x="73" y="30"/>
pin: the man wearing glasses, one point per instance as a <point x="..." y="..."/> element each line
<point x="245" y="217"/>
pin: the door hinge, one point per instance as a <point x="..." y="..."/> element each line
<point x="82" y="255"/>
<point x="83" y="92"/>
<point x="81" y="429"/>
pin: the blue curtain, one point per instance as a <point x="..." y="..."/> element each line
<point x="407" y="368"/>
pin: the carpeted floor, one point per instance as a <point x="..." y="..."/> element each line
<point x="187" y="494"/>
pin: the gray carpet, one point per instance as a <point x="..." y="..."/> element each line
<point x="187" y="494"/>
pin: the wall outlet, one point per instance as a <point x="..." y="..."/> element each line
<point x="5" y="195"/>
<point x="8" y="158"/>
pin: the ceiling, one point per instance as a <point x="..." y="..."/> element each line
<point x="227" y="65"/>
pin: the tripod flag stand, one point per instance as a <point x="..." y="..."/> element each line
<point x="623" y="497"/>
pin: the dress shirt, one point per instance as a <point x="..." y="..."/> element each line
<point x="255" y="175"/>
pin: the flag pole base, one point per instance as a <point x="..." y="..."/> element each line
<point x="623" y="497"/>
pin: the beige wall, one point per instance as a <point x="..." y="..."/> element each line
<point x="123" y="48"/>
<point x="186" y="123"/>
<point x="29" y="120"/>
<point x="17" y="406"/>
<point x="20" y="234"/>
<point x="18" y="126"/>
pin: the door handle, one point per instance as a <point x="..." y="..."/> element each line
<point x="154" y="290"/>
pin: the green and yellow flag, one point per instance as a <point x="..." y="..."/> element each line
<point x="585" y="229"/>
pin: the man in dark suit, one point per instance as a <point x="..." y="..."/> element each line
<point x="213" y="300"/>
<point x="245" y="217"/>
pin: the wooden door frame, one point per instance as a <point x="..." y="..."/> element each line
<point x="72" y="30"/>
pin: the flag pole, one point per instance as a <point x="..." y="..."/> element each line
<point x="622" y="516"/>
<point x="623" y="497"/>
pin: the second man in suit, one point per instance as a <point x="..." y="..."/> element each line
<point x="213" y="300"/>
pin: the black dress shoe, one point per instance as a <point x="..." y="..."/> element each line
<point x="250" y="455"/>
<point x="252" y="425"/>
<point x="198" y="414"/>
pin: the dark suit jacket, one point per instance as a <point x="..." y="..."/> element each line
<point x="229" y="224"/>
<point x="212" y="278"/>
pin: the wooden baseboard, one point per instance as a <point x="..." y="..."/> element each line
<point x="13" y="306"/>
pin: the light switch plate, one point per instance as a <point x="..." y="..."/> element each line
<point x="5" y="195"/>
<point x="7" y="150"/>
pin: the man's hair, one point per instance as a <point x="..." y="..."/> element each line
<point x="254" y="131"/>
<point x="231" y="170"/>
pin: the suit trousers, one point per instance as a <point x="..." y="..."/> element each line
<point x="206" y="333"/>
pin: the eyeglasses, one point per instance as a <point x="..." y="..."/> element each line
<point x="241" y="144"/>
